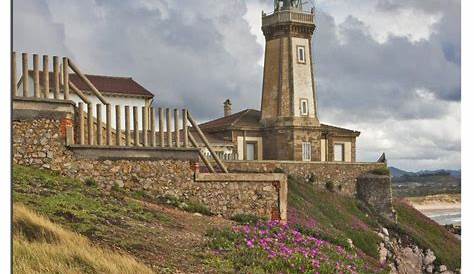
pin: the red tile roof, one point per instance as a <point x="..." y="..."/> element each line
<point x="106" y="84"/>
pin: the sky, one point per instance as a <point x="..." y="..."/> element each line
<point x="388" y="68"/>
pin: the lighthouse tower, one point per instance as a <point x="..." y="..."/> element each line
<point x="289" y="105"/>
<point x="289" y="90"/>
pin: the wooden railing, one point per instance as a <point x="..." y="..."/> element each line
<point x="61" y="82"/>
<point x="169" y="131"/>
<point x="98" y="130"/>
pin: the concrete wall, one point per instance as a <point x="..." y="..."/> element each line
<point x="41" y="143"/>
<point x="343" y="175"/>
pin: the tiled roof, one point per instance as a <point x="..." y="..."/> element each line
<point x="340" y="129"/>
<point x="106" y="84"/>
<point x="244" y="118"/>
<point x="251" y="118"/>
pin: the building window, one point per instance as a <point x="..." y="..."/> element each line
<point x="304" y="107"/>
<point x="306" y="151"/>
<point x="301" y="53"/>
<point x="251" y="150"/>
<point x="339" y="152"/>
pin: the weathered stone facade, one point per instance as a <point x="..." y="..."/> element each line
<point x="40" y="143"/>
<point x="343" y="175"/>
<point x="376" y="191"/>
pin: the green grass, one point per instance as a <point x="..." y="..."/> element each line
<point x="338" y="217"/>
<point x="428" y="234"/>
<point x="246" y="219"/>
<point x="189" y="206"/>
<point x="82" y="206"/>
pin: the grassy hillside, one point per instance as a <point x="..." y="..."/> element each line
<point x="322" y="228"/>
<point x="428" y="234"/>
<point x="339" y="217"/>
<point x="150" y="229"/>
<point x="40" y="246"/>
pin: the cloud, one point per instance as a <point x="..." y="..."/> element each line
<point x="390" y="69"/>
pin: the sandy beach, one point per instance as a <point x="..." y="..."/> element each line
<point x="444" y="208"/>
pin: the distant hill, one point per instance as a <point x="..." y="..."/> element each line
<point x="425" y="182"/>
<point x="396" y="172"/>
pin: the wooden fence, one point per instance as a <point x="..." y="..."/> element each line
<point x="160" y="128"/>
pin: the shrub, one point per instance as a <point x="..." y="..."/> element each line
<point x="330" y="186"/>
<point x="246" y="218"/>
<point x="278" y="170"/>
<point x="312" y="178"/>
<point x="381" y="171"/>
<point x="90" y="182"/>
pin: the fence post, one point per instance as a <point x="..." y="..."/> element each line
<point x="24" y="62"/>
<point x="36" y="80"/>
<point x="127" y="125"/>
<point x="145" y="126"/>
<point x="46" y="76"/>
<point x="90" y="125"/>
<point x="152" y="127"/>
<point x="99" y="124"/>
<point x="168" y="128"/>
<point x="66" y="78"/>
<point x="185" y="128"/>
<point x="108" y="125"/>
<point x="176" y="127"/>
<point x="118" y="126"/>
<point x="136" y="131"/>
<point x="81" y="123"/>
<point x="14" y="79"/>
<point x="161" y="127"/>
<point x="56" y="76"/>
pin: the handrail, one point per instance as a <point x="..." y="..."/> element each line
<point x="206" y="143"/>
<point x="88" y="83"/>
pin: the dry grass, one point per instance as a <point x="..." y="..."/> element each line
<point x="39" y="246"/>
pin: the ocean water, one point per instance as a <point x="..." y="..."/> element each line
<point x="444" y="216"/>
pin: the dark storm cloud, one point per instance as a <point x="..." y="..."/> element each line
<point x="402" y="93"/>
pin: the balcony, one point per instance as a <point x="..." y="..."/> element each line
<point x="287" y="16"/>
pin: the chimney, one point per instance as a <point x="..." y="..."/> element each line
<point x="227" y="108"/>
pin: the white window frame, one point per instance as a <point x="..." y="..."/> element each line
<point x="304" y="110"/>
<point x="299" y="50"/>
<point x="306" y="151"/>
<point x="342" y="152"/>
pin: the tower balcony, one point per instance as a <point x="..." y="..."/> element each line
<point x="288" y="16"/>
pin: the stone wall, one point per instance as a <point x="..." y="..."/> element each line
<point x="342" y="175"/>
<point x="376" y="191"/>
<point x="41" y="143"/>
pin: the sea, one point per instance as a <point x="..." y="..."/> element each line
<point x="444" y="216"/>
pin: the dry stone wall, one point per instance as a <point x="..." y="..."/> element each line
<point x="40" y="143"/>
<point x="342" y="175"/>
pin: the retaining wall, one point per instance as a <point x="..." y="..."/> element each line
<point x="376" y="191"/>
<point x="40" y="142"/>
<point x="342" y="175"/>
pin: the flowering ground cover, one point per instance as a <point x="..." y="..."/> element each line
<point x="270" y="247"/>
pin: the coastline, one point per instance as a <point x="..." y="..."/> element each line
<point x="443" y="208"/>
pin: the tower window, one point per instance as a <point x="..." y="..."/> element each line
<point x="306" y="151"/>
<point x="301" y="54"/>
<point x="304" y="107"/>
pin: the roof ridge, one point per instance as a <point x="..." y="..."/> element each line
<point x="243" y="112"/>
